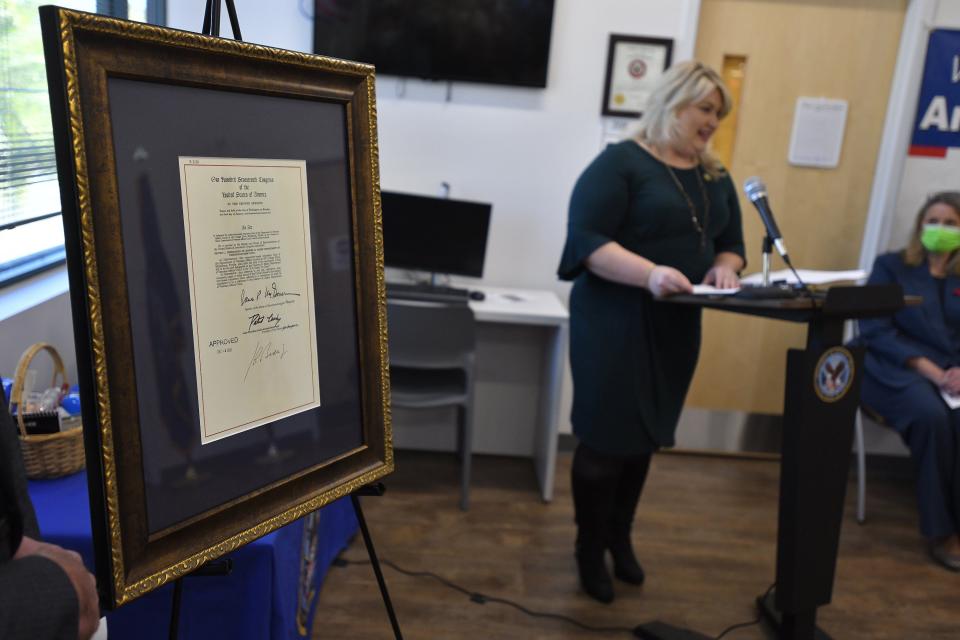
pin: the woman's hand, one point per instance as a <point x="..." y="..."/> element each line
<point x="665" y="281"/>
<point x="951" y="381"/>
<point x="722" y="277"/>
<point x="946" y="380"/>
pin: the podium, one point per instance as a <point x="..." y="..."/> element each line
<point x="820" y="403"/>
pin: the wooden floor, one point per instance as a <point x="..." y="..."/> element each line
<point x="705" y="534"/>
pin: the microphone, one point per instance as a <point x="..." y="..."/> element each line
<point x="757" y="192"/>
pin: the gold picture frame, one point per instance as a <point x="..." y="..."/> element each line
<point x="127" y="99"/>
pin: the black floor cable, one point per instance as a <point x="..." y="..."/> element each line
<point x="803" y="285"/>
<point x="482" y="598"/>
<point x="742" y="625"/>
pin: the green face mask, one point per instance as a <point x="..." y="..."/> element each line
<point x="937" y="238"/>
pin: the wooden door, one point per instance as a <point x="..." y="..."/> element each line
<point x="842" y="49"/>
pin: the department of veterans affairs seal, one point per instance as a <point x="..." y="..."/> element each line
<point x="833" y="375"/>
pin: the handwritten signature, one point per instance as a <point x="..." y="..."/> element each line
<point x="270" y="291"/>
<point x="264" y="352"/>
<point x="263" y="322"/>
<point x="273" y="291"/>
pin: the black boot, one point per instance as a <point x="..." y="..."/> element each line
<point x="629" y="488"/>
<point x="625" y="565"/>
<point x="594" y="577"/>
<point x="594" y="483"/>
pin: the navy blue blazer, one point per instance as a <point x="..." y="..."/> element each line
<point x="926" y="330"/>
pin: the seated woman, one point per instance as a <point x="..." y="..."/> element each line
<point x="914" y="357"/>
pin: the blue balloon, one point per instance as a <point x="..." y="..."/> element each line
<point x="71" y="403"/>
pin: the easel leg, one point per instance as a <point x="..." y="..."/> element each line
<point x="175" y="611"/>
<point x="376" y="567"/>
<point x="221" y="567"/>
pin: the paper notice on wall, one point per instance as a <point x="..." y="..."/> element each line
<point x="818" y="125"/>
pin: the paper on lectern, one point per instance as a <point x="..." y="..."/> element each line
<point x="810" y="276"/>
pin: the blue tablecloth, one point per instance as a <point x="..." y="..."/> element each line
<point x="261" y="598"/>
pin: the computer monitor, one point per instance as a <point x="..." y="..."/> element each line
<point x="439" y="235"/>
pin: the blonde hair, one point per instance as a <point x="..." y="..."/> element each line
<point x="915" y="254"/>
<point x="681" y="85"/>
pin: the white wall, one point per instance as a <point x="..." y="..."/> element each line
<point x="948" y="14"/>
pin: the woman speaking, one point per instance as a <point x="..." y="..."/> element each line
<point x="647" y="217"/>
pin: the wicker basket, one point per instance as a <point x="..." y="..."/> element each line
<point x="49" y="455"/>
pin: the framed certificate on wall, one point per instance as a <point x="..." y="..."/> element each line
<point x="222" y="224"/>
<point x="634" y="63"/>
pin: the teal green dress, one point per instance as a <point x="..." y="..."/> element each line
<point x="633" y="357"/>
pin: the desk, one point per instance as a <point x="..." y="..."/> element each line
<point x="258" y="600"/>
<point x="521" y="353"/>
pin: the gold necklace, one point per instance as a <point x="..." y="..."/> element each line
<point x="700" y="225"/>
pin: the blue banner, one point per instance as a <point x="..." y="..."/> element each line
<point x="937" y="126"/>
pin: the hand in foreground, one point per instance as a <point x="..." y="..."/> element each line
<point x="951" y="381"/>
<point x="665" y="281"/>
<point x="722" y="277"/>
<point x="82" y="580"/>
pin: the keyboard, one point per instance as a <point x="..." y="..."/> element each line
<point x="405" y="291"/>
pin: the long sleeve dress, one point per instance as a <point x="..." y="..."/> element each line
<point x="633" y="357"/>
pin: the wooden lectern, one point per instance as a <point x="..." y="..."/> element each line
<point x="821" y="400"/>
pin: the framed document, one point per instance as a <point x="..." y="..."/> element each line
<point x="246" y="227"/>
<point x="221" y="214"/>
<point x="633" y="65"/>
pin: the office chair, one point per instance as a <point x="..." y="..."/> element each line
<point x="852" y="331"/>
<point x="432" y="355"/>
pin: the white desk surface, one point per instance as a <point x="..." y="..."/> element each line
<point x="520" y="306"/>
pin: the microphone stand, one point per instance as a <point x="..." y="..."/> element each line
<point x="765" y="290"/>
<point x="767" y="248"/>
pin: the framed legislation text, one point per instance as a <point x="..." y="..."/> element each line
<point x="634" y="63"/>
<point x="221" y="214"/>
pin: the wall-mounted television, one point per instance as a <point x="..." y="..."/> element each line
<point x="491" y="41"/>
<point x="439" y="235"/>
